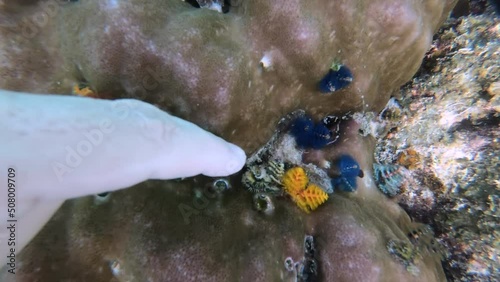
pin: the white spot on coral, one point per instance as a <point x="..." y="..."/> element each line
<point x="266" y="61"/>
<point x="214" y="5"/>
<point x="288" y="151"/>
<point x="247" y="219"/>
<point x="115" y="268"/>
<point x="448" y="118"/>
<point x="326" y="164"/>
<point x="112" y="4"/>
<point x="151" y="46"/>
<point x="368" y="181"/>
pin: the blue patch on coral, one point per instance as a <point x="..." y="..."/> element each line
<point x="349" y="170"/>
<point x="321" y="136"/>
<point x="345" y="184"/>
<point x="309" y="135"/>
<point x="302" y="128"/>
<point x="337" y="78"/>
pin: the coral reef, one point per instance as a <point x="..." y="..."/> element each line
<point x="447" y="137"/>
<point x="236" y="74"/>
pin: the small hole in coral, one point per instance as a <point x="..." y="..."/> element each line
<point x="263" y="203"/>
<point x="225" y="7"/>
<point x="221" y="185"/>
<point x="289" y="265"/>
<point x="101" y="198"/>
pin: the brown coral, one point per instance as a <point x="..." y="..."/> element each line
<point x="204" y="66"/>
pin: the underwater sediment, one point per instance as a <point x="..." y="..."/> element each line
<point x="236" y="74"/>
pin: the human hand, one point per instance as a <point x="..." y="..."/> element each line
<point x="63" y="147"/>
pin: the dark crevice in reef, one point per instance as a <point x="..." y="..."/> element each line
<point x="456" y="256"/>
<point x="470" y="7"/>
<point x="439" y="51"/>
<point x="491" y="121"/>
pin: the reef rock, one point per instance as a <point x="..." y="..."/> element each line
<point x="447" y="137"/>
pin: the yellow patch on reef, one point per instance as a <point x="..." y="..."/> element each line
<point x="84" y="91"/>
<point x="314" y="196"/>
<point x="307" y="197"/>
<point x="295" y="180"/>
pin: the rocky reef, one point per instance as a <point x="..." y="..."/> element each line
<point x="236" y="72"/>
<point x="443" y="132"/>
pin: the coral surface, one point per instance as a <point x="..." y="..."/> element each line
<point x="235" y="74"/>
<point x="187" y="231"/>
<point x="219" y="70"/>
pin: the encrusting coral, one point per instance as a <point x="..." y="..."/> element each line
<point x="235" y="74"/>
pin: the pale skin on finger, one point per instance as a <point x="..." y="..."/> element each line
<point x="65" y="146"/>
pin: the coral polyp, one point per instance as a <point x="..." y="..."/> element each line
<point x="220" y="185"/>
<point x="405" y="253"/>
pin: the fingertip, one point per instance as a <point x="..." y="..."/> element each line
<point x="228" y="161"/>
<point x="238" y="159"/>
<point x="239" y="154"/>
